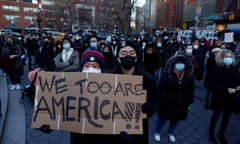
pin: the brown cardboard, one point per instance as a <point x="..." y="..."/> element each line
<point x="89" y="103"/>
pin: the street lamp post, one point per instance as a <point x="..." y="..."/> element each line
<point x="39" y="17"/>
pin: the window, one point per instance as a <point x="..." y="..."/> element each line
<point x="30" y="18"/>
<point x="29" y="1"/>
<point x="49" y="19"/>
<point x="48" y="10"/>
<point x="11" y="17"/>
<point x="47" y="2"/>
<point x="10" y="8"/>
<point x="28" y="9"/>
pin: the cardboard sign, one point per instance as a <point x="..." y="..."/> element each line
<point x="89" y="103"/>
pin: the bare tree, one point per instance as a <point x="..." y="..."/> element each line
<point x="62" y="12"/>
<point x="122" y="13"/>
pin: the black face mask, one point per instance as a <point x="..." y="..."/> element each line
<point x="46" y="43"/>
<point x="127" y="62"/>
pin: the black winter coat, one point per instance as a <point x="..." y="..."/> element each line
<point x="46" y="58"/>
<point x="209" y="67"/>
<point x="175" y="96"/>
<point x="222" y="79"/>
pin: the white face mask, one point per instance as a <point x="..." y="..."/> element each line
<point x="188" y="51"/>
<point x="91" y="70"/>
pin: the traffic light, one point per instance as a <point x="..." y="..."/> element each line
<point x="231" y="17"/>
<point x="184" y="25"/>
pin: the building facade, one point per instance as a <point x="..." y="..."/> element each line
<point x="81" y="14"/>
<point x="166" y="13"/>
<point x="201" y="12"/>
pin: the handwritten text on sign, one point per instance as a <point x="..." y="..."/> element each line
<point x="89" y="103"/>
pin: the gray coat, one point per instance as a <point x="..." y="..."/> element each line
<point x="71" y="66"/>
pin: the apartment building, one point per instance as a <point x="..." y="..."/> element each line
<point x="59" y="14"/>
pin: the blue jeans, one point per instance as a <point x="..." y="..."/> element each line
<point x="161" y="122"/>
<point x="32" y="62"/>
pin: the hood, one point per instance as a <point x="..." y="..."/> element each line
<point x="170" y="64"/>
<point x="221" y="54"/>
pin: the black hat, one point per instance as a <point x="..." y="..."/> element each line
<point x="125" y="43"/>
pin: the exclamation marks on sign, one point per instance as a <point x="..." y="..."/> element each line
<point x="132" y="111"/>
<point x="137" y="115"/>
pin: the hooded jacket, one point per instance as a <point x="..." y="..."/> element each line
<point x="176" y="95"/>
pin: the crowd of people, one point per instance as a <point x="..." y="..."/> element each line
<point x="170" y="65"/>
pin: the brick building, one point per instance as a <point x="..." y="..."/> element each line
<point x="166" y="13"/>
<point x="60" y="14"/>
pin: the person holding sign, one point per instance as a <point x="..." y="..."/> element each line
<point x="176" y="93"/>
<point x="92" y="61"/>
<point x="94" y="107"/>
<point x="128" y="64"/>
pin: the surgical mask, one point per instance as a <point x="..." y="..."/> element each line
<point x="92" y="70"/>
<point x="227" y="61"/>
<point x="114" y="42"/>
<point x="93" y="45"/>
<point x="195" y="46"/>
<point x="66" y="46"/>
<point x="159" y="44"/>
<point x="179" y="66"/>
<point x="103" y="46"/>
<point x="188" y="51"/>
<point x="77" y="38"/>
<point x="127" y="62"/>
<point x="202" y="44"/>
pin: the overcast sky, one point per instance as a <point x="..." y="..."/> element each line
<point x="140" y="2"/>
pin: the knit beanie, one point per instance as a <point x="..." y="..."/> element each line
<point x="91" y="55"/>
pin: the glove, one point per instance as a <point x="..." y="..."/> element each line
<point x="125" y="138"/>
<point x="24" y="58"/>
<point x="45" y="129"/>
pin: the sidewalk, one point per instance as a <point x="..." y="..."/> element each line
<point x="14" y="130"/>
<point x="4" y="102"/>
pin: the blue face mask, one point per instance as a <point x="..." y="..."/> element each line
<point x="93" y="45"/>
<point x="179" y="66"/>
<point x="195" y="46"/>
<point x="66" y="46"/>
<point x="114" y="42"/>
<point x="159" y="44"/>
<point x="227" y="61"/>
